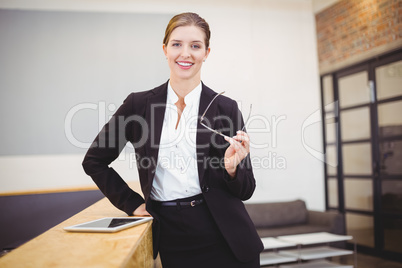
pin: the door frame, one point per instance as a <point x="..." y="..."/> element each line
<point x="378" y="216"/>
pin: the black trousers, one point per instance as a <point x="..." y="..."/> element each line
<point x="189" y="237"/>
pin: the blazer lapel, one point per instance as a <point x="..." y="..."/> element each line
<point x="156" y="106"/>
<point x="203" y="134"/>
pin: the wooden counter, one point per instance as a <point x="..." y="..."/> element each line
<point x="57" y="248"/>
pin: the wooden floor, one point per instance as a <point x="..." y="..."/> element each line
<point x="367" y="261"/>
<point x="363" y="261"/>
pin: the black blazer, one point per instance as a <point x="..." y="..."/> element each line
<point x="139" y="121"/>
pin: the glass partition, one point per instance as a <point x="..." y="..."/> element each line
<point x="356" y="124"/>
<point x="358" y="194"/>
<point x="357" y="159"/>
<point x="354" y="90"/>
<point x="361" y="227"/>
<point x="389" y="80"/>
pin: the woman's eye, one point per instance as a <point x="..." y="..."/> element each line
<point x="175" y="44"/>
<point x="196" y="46"/>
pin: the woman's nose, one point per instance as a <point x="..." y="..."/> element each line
<point x="185" y="52"/>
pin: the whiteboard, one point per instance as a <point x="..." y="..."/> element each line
<point x="78" y="66"/>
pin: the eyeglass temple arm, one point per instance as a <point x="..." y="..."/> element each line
<point x="202" y="116"/>
<point x="213" y="130"/>
<point x="248" y="117"/>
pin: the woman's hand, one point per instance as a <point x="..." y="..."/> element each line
<point x="239" y="148"/>
<point x="141" y="211"/>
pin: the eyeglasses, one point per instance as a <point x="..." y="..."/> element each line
<point x="216" y="131"/>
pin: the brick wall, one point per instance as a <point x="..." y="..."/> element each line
<point x="353" y="30"/>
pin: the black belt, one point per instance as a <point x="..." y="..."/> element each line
<point x="181" y="204"/>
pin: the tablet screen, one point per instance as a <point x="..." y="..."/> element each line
<point x="108" y="224"/>
<point x="118" y="222"/>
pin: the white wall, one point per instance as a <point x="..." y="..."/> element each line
<point x="320" y="5"/>
<point x="262" y="52"/>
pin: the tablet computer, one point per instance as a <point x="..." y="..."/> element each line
<point x="108" y="225"/>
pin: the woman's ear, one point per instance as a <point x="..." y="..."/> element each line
<point x="164" y="49"/>
<point x="207" y="53"/>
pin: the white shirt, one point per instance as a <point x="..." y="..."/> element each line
<point x="176" y="173"/>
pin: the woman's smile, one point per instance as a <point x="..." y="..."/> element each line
<point x="185" y="64"/>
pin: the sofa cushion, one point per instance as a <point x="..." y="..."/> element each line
<point x="278" y="213"/>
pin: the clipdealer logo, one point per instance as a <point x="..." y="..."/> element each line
<point x="315" y="118"/>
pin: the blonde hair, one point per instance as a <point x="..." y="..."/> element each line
<point x="187" y="19"/>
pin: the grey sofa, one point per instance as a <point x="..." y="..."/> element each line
<point x="293" y="217"/>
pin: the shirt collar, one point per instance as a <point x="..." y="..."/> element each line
<point x="193" y="97"/>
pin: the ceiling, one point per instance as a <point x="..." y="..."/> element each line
<point x="137" y="5"/>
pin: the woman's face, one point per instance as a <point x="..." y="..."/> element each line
<point x="186" y="52"/>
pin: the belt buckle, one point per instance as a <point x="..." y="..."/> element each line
<point x="192" y="203"/>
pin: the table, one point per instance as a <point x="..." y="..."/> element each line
<point x="274" y="243"/>
<point x="57" y="248"/>
<point x="314" y="238"/>
<point x="303" y="253"/>
<point x="313" y="253"/>
<point x="268" y="258"/>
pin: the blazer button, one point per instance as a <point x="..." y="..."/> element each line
<point x="205" y="188"/>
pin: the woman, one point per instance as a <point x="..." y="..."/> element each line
<point x="192" y="179"/>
